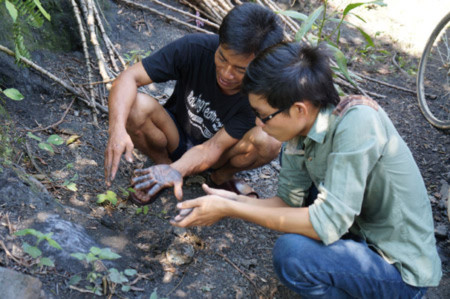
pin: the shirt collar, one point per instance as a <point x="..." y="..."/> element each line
<point x="321" y="124"/>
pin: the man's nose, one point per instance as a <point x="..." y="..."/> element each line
<point x="228" y="72"/>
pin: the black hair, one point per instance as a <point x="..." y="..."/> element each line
<point x="289" y="72"/>
<point x="249" y="28"/>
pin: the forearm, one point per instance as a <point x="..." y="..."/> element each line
<point x="279" y="218"/>
<point x="121" y="98"/>
<point x="196" y="160"/>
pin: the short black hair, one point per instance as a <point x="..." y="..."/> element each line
<point x="290" y="72"/>
<point x="249" y="28"/>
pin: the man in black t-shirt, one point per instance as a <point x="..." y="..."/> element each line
<point x="206" y="123"/>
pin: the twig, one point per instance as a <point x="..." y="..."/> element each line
<point x="175" y="287"/>
<point x="9" y="254"/>
<point x="385" y="83"/>
<point x="143" y="7"/>
<point x="202" y="11"/>
<point x="53" y="77"/>
<point x="187" y="14"/>
<point x="86" y="56"/>
<point x="351" y="86"/>
<point x="240" y="271"/>
<point x="81" y="290"/>
<point x="10" y="227"/>
<point x="58" y="122"/>
<point x="98" y="51"/>
<point x="27" y="146"/>
<point x="394" y="61"/>
<point x="105" y="38"/>
<point x="97" y="82"/>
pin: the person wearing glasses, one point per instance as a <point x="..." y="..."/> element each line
<point x="351" y="200"/>
<point x="207" y="123"/>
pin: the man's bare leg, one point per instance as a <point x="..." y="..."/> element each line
<point x="151" y="129"/>
<point x="255" y="149"/>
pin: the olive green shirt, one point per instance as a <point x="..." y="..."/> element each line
<point x="369" y="185"/>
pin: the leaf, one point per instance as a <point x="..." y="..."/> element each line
<point x="42" y="10"/>
<point x="91" y="257"/>
<point x="367" y="37"/>
<point x="45" y="261"/>
<point x="125" y="288"/>
<point x="31" y="135"/>
<point x="116" y="276"/>
<point x="53" y="243"/>
<point x="101" y="198"/>
<point x="352" y="6"/>
<point x="72" y="186"/>
<point x="294" y="14"/>
<point x="46" y="146"/>
<point x="78" y="255"/>
<point x="130" y="272"/>
<point x="24" y="232"/>
<point x="74" y="280"/>
<point x="95" y="250"/>
<point x="145" y="210"/>
<point x="55" y="139"/>
<point x="154" y="294"/>
<point x="138" y="211"/>
<point x="306" y="26"/>
<point x="72" y="139"/>
<point x="341" y="62"/>
<point x="11" y="9"/>
<point x="31" y="250"/>
<point x="107" y="254"/>
<point x="13" y="93"/>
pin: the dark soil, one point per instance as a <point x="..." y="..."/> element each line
<point x="229" y="259"/>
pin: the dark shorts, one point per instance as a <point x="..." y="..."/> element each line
<point x="186" y="142"/>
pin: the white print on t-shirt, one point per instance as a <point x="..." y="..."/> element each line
<point x="198" y="110"/>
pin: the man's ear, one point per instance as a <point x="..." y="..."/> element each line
<point x="300" y="109"/>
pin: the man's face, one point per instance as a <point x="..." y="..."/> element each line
<point x="230" y="69"/>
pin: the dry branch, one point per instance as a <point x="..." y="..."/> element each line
<point x="86" y="56"/>
<point x="144" y="7"/>
<point x="53" y="77"/>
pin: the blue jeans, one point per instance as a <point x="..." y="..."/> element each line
<point x="347" y="268"/>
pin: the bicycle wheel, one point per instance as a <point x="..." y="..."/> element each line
<point x="433" y="79"/>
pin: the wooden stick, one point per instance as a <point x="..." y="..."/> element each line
<point x="52" y="77"/>
<point x="187" y="14"/>
<point x="86" y="57"/>
<point x="58" y="122"/>
<point x="385" y="83"/>
<point x="143" y="7"/>
<point x="208" y="15"/>
<point x="105" y="38"/>
<point x="98" y="52"/>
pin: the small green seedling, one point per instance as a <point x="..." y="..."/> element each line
<point x="69" y="184"/>
<point x="47" y="145"/>
<point x="126" y="192"/>
<point x="113" y="275"/>
<point x="143" y="210"/>
<point x="34" y="251"/>
<point x="154" y="295"/>
<point x="110" y="196"/>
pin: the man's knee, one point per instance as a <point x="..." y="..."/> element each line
<point x="140" y="112"/>
<point x="266" y="146"/>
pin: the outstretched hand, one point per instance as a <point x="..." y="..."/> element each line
<point x="118" y="143"/>
<point x="155" y="178"/>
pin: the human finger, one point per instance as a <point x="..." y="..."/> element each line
<point x="145" y="184"/>
<point x="178" y="190"/>
<point x="220" y="192"/>
<point x="141" y="178"/>
<point x="129" y="153"/>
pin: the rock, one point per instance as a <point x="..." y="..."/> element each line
<point x="180" y="253"/>
<point x="14" y="285"/>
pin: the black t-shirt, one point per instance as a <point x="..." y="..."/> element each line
<point x="197" y="102"/>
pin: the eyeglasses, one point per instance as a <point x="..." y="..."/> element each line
<point x="267" y="118"/>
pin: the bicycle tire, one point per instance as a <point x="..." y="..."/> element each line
<point x="433" y="78"/>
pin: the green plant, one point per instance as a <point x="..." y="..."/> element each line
<point x="313" y="30"/>
<point x="23" y="13"/>
<point x="154" y="295"/>
<point x="95" y="277"/>
<point x="33" y="250"/>
<point x="6" y="147"/>
<point x="110" y="196"/>
<point x="69" y="184"/>
<point x="47" y="145"/>
<point x="135" y="56"/>
<point x="143" y="210"/>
